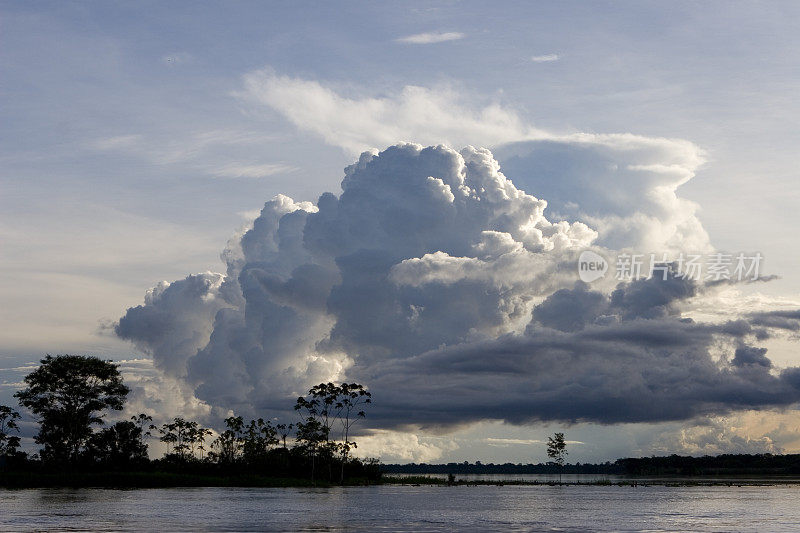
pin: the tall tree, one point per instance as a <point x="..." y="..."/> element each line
<point x="350" y="403"/>
<point x="312" y="436"/>
<point x="69" y="394"/>
<point x="328" y="406"/>
<point x="228" y="446"/>
<point x="8" y="423"/>
<point x="557" y="451"/>
<point x="184" y="438"/>
<point x="314" y="431"/>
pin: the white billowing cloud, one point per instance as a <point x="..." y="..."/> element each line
<point x="416" y="114"/>
<point x="176" y="318"/>
<point x="431" y="37"/>
<point x="308" y="283"/>
<point x="743" y="432"/>
<point x="545" y="58"/>
<point x="438" y="282"/>
<point x="402" y="447"/>
<point x="159" y="394"/>
<point x="623" y="185"/>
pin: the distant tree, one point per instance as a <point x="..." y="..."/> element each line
<point x="68" y="394"/>
<point x="259" y="438"/>
<point x="196" y="437"/>
<point x="312" y="435"/>
<point x="557" y="451"/>
<point x="8" y="423"/>
<point x="228" y="446"/>
<point x="199" y="435"/>
<point x="145" y="424"/>
<point x="183" y="438"/>
<point x="120" y="444"/>
<point x="284" y="431"/>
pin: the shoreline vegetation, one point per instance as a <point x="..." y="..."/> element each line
<point x="621" y="482"/>
<point x="69" y="396"/>
<point x="124" y="480"/>
<point x="724" y="465"/>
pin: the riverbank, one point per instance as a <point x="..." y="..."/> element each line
<point x="628" y="482"/>
<point x="135" y="480"/>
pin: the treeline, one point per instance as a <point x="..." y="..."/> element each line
<point x="69" y="397"/>
<point x="505" y="468"/>
<point x="757" y="465"/>
<point x="718" y="465"/>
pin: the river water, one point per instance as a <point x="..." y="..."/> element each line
<point x="408" y="508"/>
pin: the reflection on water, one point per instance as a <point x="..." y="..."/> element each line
<point x="408" y="508"/>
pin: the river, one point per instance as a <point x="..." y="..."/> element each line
<point x="407" y="508"/>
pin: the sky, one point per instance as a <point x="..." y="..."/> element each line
<point x="162" y="170"/>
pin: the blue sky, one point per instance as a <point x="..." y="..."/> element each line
<point x="131" y="148"/>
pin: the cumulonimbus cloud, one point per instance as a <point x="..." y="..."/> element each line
<point x="452" y="293"/>
<point x="624" y="185"/>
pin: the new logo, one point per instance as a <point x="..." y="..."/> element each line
<point x="591" y="266"/>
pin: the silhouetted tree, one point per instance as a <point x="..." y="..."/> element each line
<point x="350" y="400"/>
<point x="145" y="424"/>
<point x="259" y="438"/>
<point x="120" y="444"/>
<point x="8" y="423"/>
<point x="183" y="437"/>
<point x="312" y="435"/>
<point x="284" y="431"/>
<point x="228" y="445"/>
<point x="68" y="394"/>
<point x="327" y="406"/>
<point x="557" y="450"/>
<point x="199" y="435"/>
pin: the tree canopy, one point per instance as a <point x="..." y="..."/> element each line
<point x="69" y="394"/>
<point x="8" y="423"/>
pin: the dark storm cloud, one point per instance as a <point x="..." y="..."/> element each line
<point x="783" y="319"/>
<point x="588" y="357"/>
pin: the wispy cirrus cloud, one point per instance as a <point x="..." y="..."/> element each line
<point x="236" y="170"/>
<point x="494" y="441"/>
<point x="431" y="37"/>
<point x="208" y="152"/>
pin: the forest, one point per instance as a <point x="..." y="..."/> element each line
<point x="70" y="396"/>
